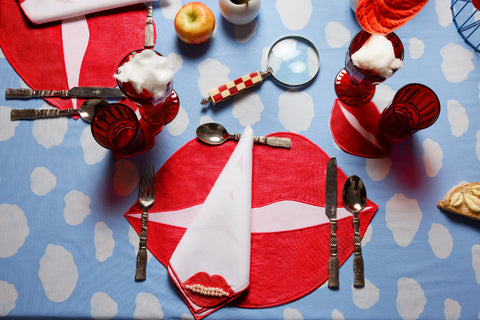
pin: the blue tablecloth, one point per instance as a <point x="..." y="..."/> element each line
<point x="66" y="251"/>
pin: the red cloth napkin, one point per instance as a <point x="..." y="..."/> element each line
<point x="290" y="231"/>
<point x="45" y="60"/>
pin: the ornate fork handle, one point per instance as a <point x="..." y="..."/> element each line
<point x="141" y="270"/>
<point x="25" y="114"/>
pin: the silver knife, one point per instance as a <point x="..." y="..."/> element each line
<point x="75" y="92"/>
<point x="331" y="211"/>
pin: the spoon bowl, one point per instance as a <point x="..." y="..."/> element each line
<point x="89" y="107"/>
<point x="354" y="197"/>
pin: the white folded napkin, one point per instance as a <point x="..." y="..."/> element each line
<point x="211" y="264"/>
<point x="41" y="11"/>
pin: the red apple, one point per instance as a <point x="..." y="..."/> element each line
<point x="194" y="23"/>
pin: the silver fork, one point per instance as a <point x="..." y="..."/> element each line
<point x="146" y="197"/>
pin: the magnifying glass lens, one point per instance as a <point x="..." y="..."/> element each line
<point x="294" y="61"/>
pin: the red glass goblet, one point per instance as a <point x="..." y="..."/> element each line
<point x="154" y="110"/>
<point x="116" y="127"/>
<point x="355" y="86"/>
<point x="414" y="107"/>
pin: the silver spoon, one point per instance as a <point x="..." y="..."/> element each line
<point x="86" y="111"/>
<point x="354" y="199"/>
<point x="215" y="134"/>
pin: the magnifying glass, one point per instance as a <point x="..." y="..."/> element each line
<point x="293" y="61"/>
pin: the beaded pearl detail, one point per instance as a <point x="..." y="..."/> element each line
<point x="207" y="291"/>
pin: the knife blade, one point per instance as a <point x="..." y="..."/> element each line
<point x="75" y="92"/>
<point x="331" y="211"/>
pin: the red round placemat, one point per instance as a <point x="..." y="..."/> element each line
<point x="285" y="264"/>
<point x="36" y="51"/>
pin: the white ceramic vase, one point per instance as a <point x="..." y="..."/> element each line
<point x="239" y="13"/>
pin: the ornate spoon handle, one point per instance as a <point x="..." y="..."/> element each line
<point x="358" y="270"/>
<point x="28" y="114"/>
<point x="268" y="141"/>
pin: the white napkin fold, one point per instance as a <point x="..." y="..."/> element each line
<point x="41" y="11"/>
<point x="211" y="264"/>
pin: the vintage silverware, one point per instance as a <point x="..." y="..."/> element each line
<point x="354" y="196"/>
<point x="216" y="134"/>
<point x="75" y="92"/>
<point x="331" y="211"/>
<point x="146" y="198"/>
<point x="149" y="32"/>
<point x="86" y="111"/>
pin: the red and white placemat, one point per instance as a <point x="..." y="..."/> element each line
<point x="290" y="232"/>
<point x="82" y="51"/>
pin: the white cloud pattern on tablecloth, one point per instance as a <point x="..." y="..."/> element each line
<point x="7" y="127"/>
<point x="477" y="145"/>
<point x="403" y="217"/>
<point x="125" y="178"/>
<point x="1" y="54"/>
<point x="179" y="124"/>
<point x="134" y="239"/>
<point x="411" y="298"/>
<point x="177" y="62"/>
<point x="337" y="35"/>
<point x="58" y="273"/>
<point x="169" y="8"/>
<point x="245" y="32"/>
<point x="295" y="110"/>
<point x="292" y="314"/>
<point x="367" y="236"/>
<point x="337" y="315"/>
<point x="476" y="261"/>
<point x="186" y="316"/>
<point x="442" y="7"/>
<point x="365" y="298"/>
<point x="50" y="132"/>
<point x="247" y="108"/>
<point x="378" y="168"/>
<point x="212" y="75"/>
<point x="205" y="119"/>
<point x="102" y="306"/>
<point x="440" y="240"/>
<point x="452" y="309"/>
<point x="77" y="207"/>
<point x="14" y="229"/>
<point x="458" y="118"/>
<point x="416" y="48"/>
<point x="295" y="15"/>
<point x="432" y="157"/>
<point x="383" y="96"/>
<point x="103" y="241"/>
<point x="456" y="62"/>
<point x="147" y="307"/>
<point x="42" y="181"/>
<point x="92" y="151"/>
<point x="8" y="297"/>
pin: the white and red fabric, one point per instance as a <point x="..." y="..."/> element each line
<point x="290" y="233"/>
<point x="42" y="11"/>
<point x="82" y="51"/>
<point x="211" y="264"/>
<point x="355" y="130"/>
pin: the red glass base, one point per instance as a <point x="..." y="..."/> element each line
<point x="351" y="94"/>
<point x="161" y="113"/>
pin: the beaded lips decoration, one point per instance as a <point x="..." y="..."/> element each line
<point x="290" y="233"/>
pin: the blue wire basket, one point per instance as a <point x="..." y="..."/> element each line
<point x="467" y="21"/>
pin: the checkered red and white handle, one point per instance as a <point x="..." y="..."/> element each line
<point x="234" y="87"/>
